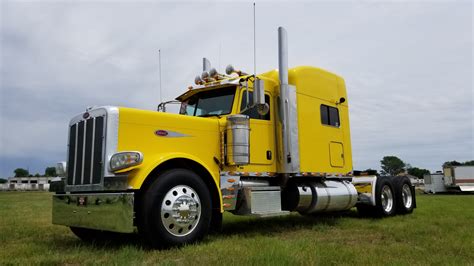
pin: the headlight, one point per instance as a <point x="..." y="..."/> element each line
<point x="125" y="159"/>
<point x="61" y="169"/>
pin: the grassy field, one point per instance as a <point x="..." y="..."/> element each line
<point x="440" y="232"/>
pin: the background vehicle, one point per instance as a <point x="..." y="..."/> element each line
<point x="261" y="145"/>
<point x="453" y="179"/>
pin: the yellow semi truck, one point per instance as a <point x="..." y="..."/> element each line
<point x="261" y="145"/>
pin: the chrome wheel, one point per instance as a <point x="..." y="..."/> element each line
<point x="407" y="196"/>
<point x="387" y="199"/>
<point x="180" y="210"/>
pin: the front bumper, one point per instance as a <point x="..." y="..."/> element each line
<point x="103" y="211"/>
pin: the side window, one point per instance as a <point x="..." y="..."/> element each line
<point x="252" y="113"/>
<point x="330" y="116"/>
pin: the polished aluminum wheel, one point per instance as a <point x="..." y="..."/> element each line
<point x="407" y="196"/>
<point x="180" y="210"/>
<point x="387" y="199"/>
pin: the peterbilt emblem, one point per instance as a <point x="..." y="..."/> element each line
<point x="161" y="133"/>
<point x="169" y="134"/>
<point x="86" y="115"/>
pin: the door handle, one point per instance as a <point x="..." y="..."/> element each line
<point x="269" y="155"/>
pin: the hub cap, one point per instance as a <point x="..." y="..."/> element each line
<point x="407" y="196"/>
<point x="180" y="210"/>
<point x="387" y="199"/>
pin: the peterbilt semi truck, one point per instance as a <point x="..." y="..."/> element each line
<point x="259" y="145"/>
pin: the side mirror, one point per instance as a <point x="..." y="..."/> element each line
<point x="259" y="97"/>
<point x="258" y="92"/>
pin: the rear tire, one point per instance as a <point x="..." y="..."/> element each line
<point x="385" y="200"/>
<point x="175" y="209"/>
<point x="404" y="195"/>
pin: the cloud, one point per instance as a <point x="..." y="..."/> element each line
<point x="407" y="66"/>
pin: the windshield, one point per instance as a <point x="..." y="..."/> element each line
<point x="209" y="103"/>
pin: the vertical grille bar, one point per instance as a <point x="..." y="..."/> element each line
<point x="98" y="149"/>
<point x="91" y="174"/>
<point x="88" y="152"/>
<point x="79" y="153"/>
<point x="71" y="153"/>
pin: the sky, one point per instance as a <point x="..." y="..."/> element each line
<point x="408" y="67"/>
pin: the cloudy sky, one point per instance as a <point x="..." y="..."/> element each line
<point x="408" y="67"/>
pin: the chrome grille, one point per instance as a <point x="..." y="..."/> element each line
<point x="86" y="151"/>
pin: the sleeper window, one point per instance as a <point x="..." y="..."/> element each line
<point x="329" y="116"/>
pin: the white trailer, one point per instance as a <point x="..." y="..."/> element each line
<point x="459" y="177"/>
<point x="434" y="183"/>
<point x="453" y="179"/>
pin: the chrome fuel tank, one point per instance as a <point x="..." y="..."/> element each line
<point x="324" y="196"/>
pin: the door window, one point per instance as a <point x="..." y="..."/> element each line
<point x="252" y="112"/>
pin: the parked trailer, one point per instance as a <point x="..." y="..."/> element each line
<point x="459" y="178"/>
<point x="259" y="145"/>
<point x="434" y="183"/>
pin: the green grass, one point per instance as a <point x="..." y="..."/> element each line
<point x="439" y="232"/>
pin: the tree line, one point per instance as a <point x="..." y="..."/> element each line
<point x="48" y="172"/>
<point x="392" y="165"/>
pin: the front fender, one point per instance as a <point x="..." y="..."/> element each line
<point x="138" y="176"/>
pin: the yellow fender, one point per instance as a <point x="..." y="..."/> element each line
<point x="136" y="180"/>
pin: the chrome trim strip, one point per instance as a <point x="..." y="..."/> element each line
<point x="92" y="151"/>
<point x="290" y="157"/>
<point x="111" y="137"/>
<point x="84" y="141"/>
<point x="293" y="130"/>
<point x="68" y="210"/>
<point x="75" y="157"/>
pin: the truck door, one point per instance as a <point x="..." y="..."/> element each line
<point x="333" y="134"/>
<point x="262" y="136"/>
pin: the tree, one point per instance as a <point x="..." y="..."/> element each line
<point x="20" y="172"/>
<point x="392" y="165"/>
<point x="3" y="181"/>
<point x="37" y="175"/>
<point x="456" y="163"/>
<point x="451" y="163"/>
<point x="415" y="171"/>
<point x="50" y="171"/>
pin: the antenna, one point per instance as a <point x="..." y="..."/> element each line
<point x="254" y="45"/>
<point x="159" y="63"/>
<point x="219" y="60"/>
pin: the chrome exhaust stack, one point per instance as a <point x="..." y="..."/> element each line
<point x="282" y="57"/>
<point x="290" y="162"/>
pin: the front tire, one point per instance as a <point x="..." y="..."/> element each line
<point x="176" y="209"/>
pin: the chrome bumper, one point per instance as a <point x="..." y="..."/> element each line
<point x="103" y="211"/>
